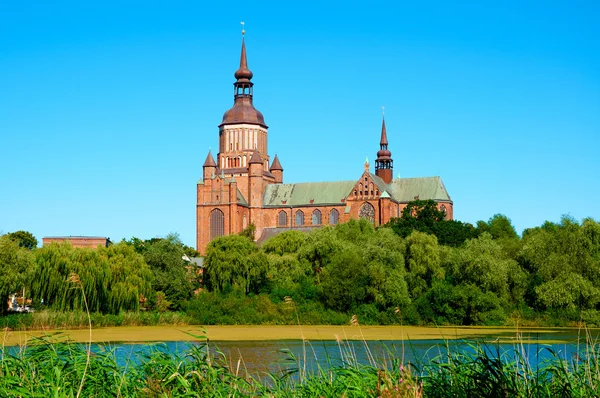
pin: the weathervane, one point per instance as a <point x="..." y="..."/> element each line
<point x="243" y="31"/>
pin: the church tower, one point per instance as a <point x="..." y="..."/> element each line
<point x="242" y="130"/>
<point x="384" y="165"/>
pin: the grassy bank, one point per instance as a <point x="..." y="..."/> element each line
<point x="46" y="368"/>
<point x="290" y="332"/>
<point x="46" y="320"/>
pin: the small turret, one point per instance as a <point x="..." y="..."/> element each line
<point x="209" y="167"/>
<point x="255" y="187"/>
<point x="277" y="170"/>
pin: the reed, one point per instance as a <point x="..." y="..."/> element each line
<point x="55" y="367"/>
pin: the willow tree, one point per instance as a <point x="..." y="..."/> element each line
<point x="234" y="262"/>
<point x="113" y="278"/>
<point x="130" y="278"/>
<point x="15" y="266"/>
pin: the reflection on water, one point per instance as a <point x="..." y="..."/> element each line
<point x="258" y="357"/>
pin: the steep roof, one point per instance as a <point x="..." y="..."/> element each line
<point x="276" y="165"/>
<point x="210" y="161"/>
<point x="255" y="158"/>
<point x="424" y="188"/>
<point x="320" y="193"/>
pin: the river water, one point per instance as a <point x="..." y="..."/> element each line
<point x="258" y="357"/>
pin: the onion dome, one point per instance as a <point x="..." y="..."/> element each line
<point x="243" y="110"/>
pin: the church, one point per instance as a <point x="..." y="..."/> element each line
<point x="243" y="185"/>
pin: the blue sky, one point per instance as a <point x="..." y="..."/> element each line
<point x="107" y="109"/>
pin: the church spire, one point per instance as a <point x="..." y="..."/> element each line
<point x="243" y="110"/>
<point x="384" y="164"/>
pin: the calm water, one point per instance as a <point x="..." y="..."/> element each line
<point x="256" y="357"/>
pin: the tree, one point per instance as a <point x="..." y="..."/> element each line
<point x="113" y="279"/>
<point x="483" y="263"/>
<point x="286" y="242"/>
<point x="383" y="254"/>
<point x="234" y="262"/>
<point x="345" y="279"/>
<point x="424" y="216"/>
<point x="172" y="276"/>
<point x="423" y="262"/>
<point x="15" y="266"/>
<point x="565" y="259"/>
<point x="24" y="239"/>
<point x="249" y="232"/>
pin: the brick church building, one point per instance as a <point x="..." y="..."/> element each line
<point x="243" y="185"/>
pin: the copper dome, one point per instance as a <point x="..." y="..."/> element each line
<point x="243" y="112"/>
<point x="384" y="153"/>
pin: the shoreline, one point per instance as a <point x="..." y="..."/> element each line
<point x="145" y="334"/>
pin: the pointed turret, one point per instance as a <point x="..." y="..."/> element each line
<point x="255" y="158"/>
<point x="210" y="161"/>
<point x="277" y="170"/>
<point x="209" y="167"/>
<point x="276" y="165"/>
<point x="384" y="164"/>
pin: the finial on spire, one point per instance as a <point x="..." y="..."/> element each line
<point x="383" y="110"/>
<point x="367" y="163"/>
<point x="243" y="30"/>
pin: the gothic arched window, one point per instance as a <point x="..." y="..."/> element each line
<point x="334" y="217"/>
<point x="367" y="211"/>
<point x="316" y="217"/>
<point x="282" y="219"/>
<point x="299" y="217"/>
<point x="217" y="224"/>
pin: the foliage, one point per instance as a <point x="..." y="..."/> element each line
<point x="113" y="278"/>
<point x="249" y="232"/>
<point x="51" y="368"/>
<point x="24" y="239"/>
<point x="424" y="216"/>
<point x="16" y="264"/>
<point x="171" y="274"/>
<point x="234" y="262"/>
<point x="565" y="259"/>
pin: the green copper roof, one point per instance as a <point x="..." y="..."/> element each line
<point x="424" y="188"/>
<point x="301" y="194"/>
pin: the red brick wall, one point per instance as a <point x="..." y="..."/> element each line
<point x="76" y="241"/>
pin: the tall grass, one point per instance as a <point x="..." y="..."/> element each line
<point x="47" y="319"/>
<point x="50" y="367"/>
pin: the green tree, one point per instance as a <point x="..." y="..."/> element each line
<point x="345" y="279"/>
<point x="565" y="260"/>
<point x="423" y="262"/>
<point x="286" y="242"/>
<point x="16" y="264"/>
<point x="319" y="249"/>
<point x="172" y="275"/>
<point x="383" y="254"/>
<point x="113" y="279"/>
<point x="424" y="216"/>
<point x="234" y="262"/>
<point x="483" y="263"/>
<point x="24" y="239"/>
